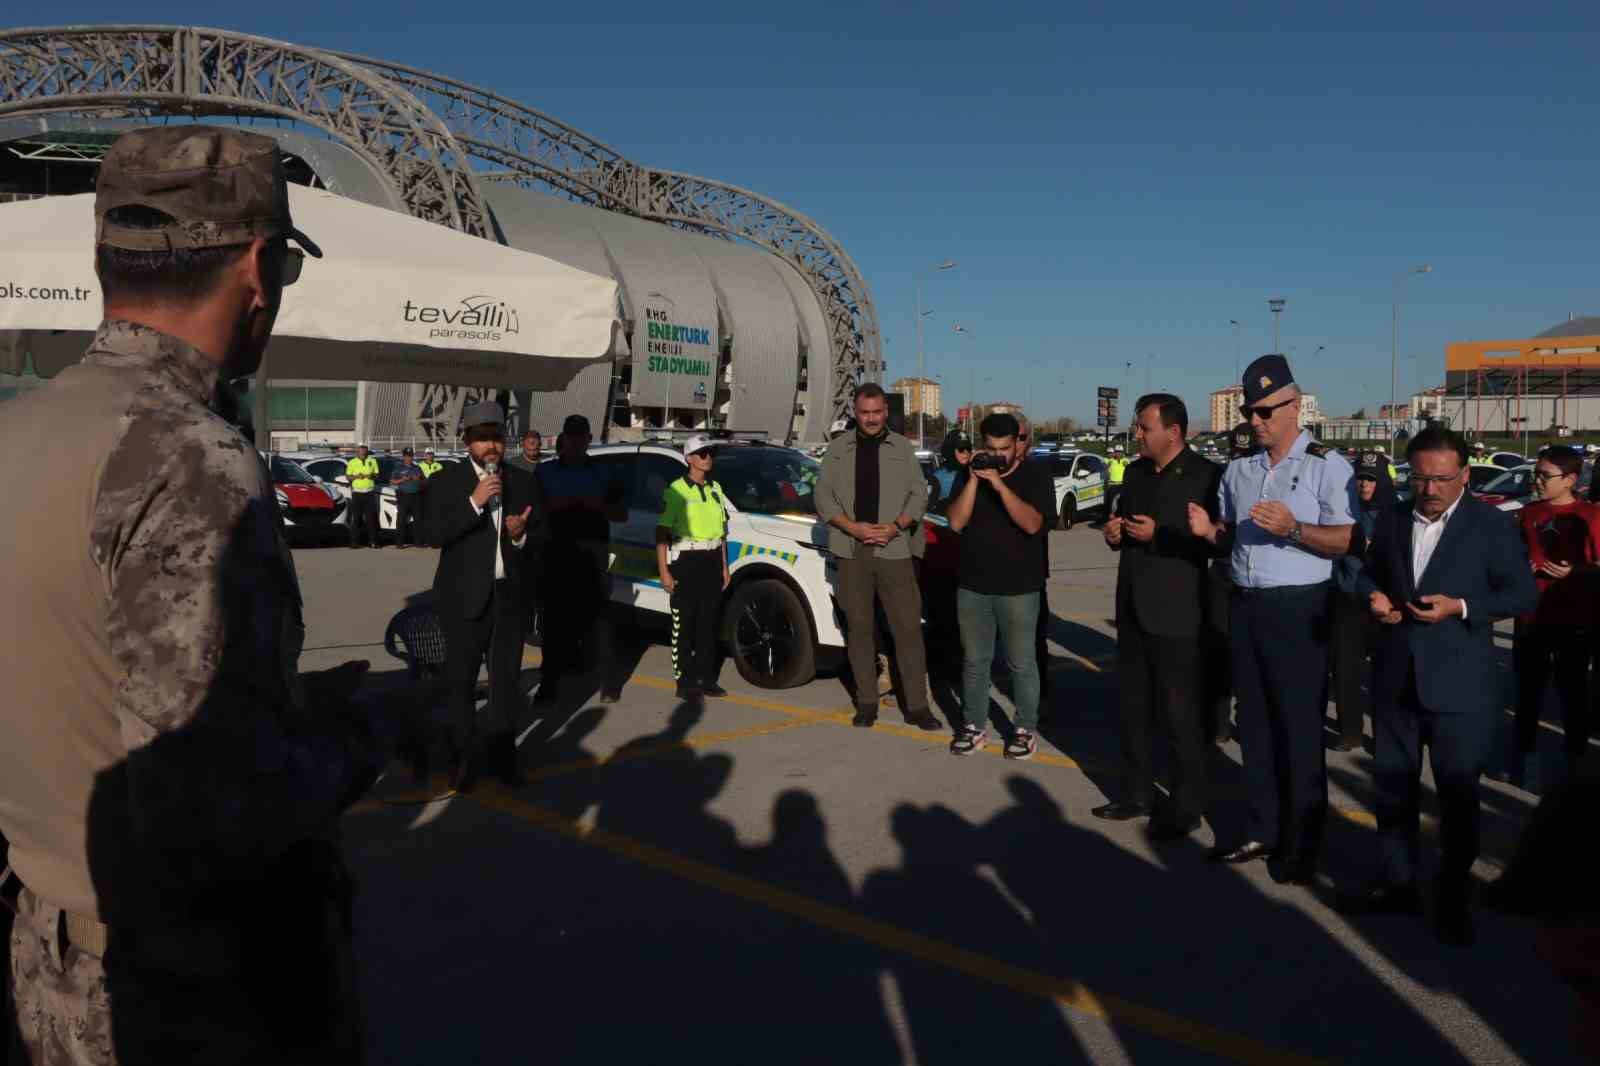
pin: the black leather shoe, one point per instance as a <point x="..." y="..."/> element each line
<point x="610" y="696"/>
<point x="713" y="690"/>
<point x="866" y="716"/>
<point x="1171" y="828"/>
<point x="502" y="754"/>
<point x="924" y="719"/>
<point x="1249" y="851"/>
<point x="463" y="775"/>
<point x="1121" y="812"/>
<point x="1385" y="899"/>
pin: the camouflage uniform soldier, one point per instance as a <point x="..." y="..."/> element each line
<point x="172" y="786"/>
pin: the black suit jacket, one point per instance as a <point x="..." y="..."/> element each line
<point x="1479" y="559"/>
<point x="465" y="578"/>
<point x="1161" y="586"/>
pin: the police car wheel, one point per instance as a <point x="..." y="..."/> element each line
<point x="769" y="635"/>
<point x="1069" y="512"/>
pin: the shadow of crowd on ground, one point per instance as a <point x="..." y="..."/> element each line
<point x="632" y="928"/>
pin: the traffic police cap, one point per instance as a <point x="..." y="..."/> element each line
<point x="1369" y="463"/>
<point x="486" y="413"/>
<point x="1265" y="376"/>
<point x="1242" y="441"/>
<point x="700" y="442"/>
<point x="217" y="187"/>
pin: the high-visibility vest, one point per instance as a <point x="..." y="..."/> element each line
<point x="362" y="473"/>
<point x="430" y="469"/>
<point x="693" y="512"/>
<point x="1116" y="467"/>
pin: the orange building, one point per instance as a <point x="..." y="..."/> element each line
<point x="1534" y="385"/>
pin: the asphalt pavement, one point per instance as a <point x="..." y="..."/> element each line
<point x="755" y="880"/>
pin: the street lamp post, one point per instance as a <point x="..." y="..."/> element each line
<point x="948" y="264"/>
<point x="1234" y="322"/>
<point x="1276" y="305"/>
<point x="1394" y="345"/>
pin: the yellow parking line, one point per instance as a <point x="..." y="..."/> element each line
<point x="1069" y="993"/>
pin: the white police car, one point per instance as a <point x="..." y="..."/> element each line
<point x="779" y="614"/>
<point x="1080" y="480"/>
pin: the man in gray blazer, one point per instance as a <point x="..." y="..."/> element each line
<point x="872" y="495"/>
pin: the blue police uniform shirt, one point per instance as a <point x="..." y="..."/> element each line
<point x="1318" y="491"/>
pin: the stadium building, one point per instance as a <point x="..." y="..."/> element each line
<point x="737" y="311"/>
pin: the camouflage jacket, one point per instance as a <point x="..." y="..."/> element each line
<point x="156" y="748"/>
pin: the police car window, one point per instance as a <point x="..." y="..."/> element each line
<point x="1061" y="467"/>
<point x="656" y="472"/>
<point x="766" y="480"/>
<point x="1090" y="464"/>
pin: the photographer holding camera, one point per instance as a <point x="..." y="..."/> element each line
<point x="998" y="507"/>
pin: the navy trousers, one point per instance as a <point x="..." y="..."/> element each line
<point x="1458" y="748"/>
<point x="1280" y="675"/>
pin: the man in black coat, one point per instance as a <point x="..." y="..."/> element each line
<point x="479" y="514"/>
<point x="1441" y="570"/>
<point x="1161" y="590"/>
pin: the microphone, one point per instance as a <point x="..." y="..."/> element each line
<point x="491" y="468"/>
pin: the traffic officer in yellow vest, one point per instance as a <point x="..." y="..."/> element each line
<point x="1115" y="469"/>
<point x="363" y="474"/>
<point x="692" y="561"/>
<point x="429" y="465"/>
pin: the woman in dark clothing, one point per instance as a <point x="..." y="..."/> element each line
<point x="1352" y="622"/>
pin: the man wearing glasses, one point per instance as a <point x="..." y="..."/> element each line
<point x="1286" y="514"/>
<point x="1441" y="571"/>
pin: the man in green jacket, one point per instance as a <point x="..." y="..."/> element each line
<point x="872" y="495"/>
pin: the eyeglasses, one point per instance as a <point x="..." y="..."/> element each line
<point x="1548" y="475"/>
<point x="1264" y="411"/>
<point x="1437" y="479"/>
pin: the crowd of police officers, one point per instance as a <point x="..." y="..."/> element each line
<point x="173" y="835"/>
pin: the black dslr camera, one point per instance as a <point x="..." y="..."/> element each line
<point x="989" y="461"/>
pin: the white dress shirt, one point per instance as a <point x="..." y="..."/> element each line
<point x="1425" y="535"/>
<point x="496" y="514"/>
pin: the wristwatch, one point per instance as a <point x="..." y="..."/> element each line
<point x="1295" y="534"/>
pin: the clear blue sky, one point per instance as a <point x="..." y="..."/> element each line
<point x="1113" y="182"/>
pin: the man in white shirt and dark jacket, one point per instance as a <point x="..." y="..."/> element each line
<point x="479" y="514"/>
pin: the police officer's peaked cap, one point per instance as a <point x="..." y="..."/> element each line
<point x="217" y="186"/>
<point x="1242" y="440"/>
<point x="1368" y="463"/>
<point x="1265" y="376"/>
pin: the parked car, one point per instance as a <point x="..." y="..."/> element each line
<point x="1507" y="460"/>
<point x="305" y="503"/>
<point x="1080" y="480"/>
<point x="780" y="610"/>
<point x="329" y="469"/>
<point x="1510" y="491"/>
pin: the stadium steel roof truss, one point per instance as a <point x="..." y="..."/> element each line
<point x="427" y="136"/>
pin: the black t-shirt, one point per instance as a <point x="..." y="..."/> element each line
<point x="997" y="557"/>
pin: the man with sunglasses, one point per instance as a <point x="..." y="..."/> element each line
<point x="1442" y="569"/>
<point x="173" y="784"/>
<point x="1286" y="513"/>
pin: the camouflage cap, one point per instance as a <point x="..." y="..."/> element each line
<point x="219" y="186"/>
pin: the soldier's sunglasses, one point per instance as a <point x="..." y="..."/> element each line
<point x="1264" y="411"/>
<point x="294" y="261"/>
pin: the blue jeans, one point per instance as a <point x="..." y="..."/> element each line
<point x="1014" y="619"/>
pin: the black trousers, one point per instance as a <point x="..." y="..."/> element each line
<point x="575" y="591"/>
<point x="1352" y="634"/>
<point x="364" y="518"/>
<point x="407" y="513"/>
<point x="496" y="634"/>
<point x="696" y="609"/>
<point x="1458" y="747"/>
<point x="1159" y="681"/>
<point x="1537" y="652"/>
<point x="1218" y="662"/>
<point x="1280" y="672"/>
